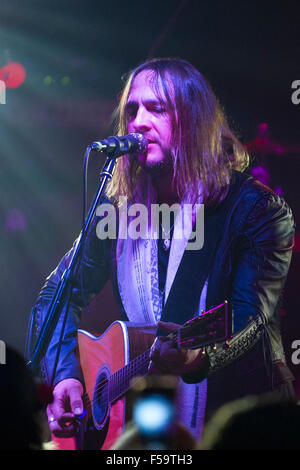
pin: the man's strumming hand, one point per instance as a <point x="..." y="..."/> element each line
<point x="66" y="407"/>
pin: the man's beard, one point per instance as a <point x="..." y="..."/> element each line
<point x="159" y="169"/>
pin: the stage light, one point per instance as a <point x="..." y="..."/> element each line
<point x="13" y="75"/>
<point x="48" y="80"/>
<point x="65" y="81"/>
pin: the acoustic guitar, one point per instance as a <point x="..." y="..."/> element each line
<point x="111" y="361"/>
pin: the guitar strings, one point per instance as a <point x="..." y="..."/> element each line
<point x="88" y="403"/>
<point x="142" y="358"/>
<point x="138" y="361"/>
<point x="134" y="361"/>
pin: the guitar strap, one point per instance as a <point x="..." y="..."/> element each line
<point x="195" y="266"/>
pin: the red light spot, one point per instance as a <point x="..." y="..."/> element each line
<point x="297" y="242"/>
<point x="13" y="74"/>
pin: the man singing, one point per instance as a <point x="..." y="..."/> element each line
<point x="192" y="158"/>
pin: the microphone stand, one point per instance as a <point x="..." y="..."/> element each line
<point x="57" y="302"/>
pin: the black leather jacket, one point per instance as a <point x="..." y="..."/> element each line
<point x="249" y="269"/>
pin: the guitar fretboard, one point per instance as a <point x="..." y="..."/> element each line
<point x="210" y="327"/>
<point x="120" y="381"/>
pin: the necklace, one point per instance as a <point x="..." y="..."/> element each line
<point x="166" y="238"/>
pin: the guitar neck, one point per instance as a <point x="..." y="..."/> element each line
<point x="120" y="381"/>
<point x="210" y="327"/>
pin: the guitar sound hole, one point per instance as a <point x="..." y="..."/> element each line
<point x="101" y="398"/>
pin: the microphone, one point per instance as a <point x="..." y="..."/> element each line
<point x="116" y="146"/>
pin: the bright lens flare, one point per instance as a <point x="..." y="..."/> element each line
<point x="153" y="414"/>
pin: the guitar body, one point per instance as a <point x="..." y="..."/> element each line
<point x="100" y="358"/>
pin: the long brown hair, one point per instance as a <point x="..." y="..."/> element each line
<point x="204" y="148"/>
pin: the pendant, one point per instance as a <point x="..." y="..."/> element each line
<point x="167" y="244"/>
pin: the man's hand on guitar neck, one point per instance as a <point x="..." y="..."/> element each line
<point x="166" y="358"/>
<point x="66" y="407"/>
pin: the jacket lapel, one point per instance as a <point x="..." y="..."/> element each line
<point x="183" y="299"/>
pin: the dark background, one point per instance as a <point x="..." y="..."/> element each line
<point x="75" y="54"/>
